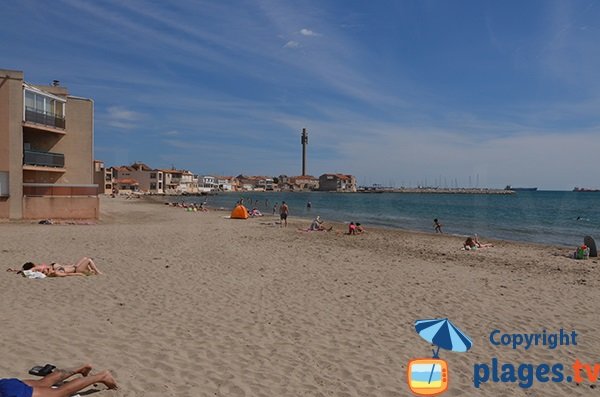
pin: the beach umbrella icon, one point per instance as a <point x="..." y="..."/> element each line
<point x="443" y="334"/>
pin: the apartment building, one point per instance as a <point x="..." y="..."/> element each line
<point x="303" y="183"/>
<point x="337" y="183"/>
<point x="46" y="151"/>
<point x="150" y="180"/>
<point x="103" y="177"/>
<point x="227" y="183"/>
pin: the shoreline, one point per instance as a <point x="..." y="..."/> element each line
<point x="344" y="226"/>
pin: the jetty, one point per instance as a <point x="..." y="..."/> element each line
<point x="435" y="190"/>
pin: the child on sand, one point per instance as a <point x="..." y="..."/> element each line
<point x="437" y="226"/>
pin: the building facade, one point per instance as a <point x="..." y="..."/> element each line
<point x="337" y="183"/>
<point x="150" y="180"/>
<point x="103" y="177"/>
<point x="46" y="152"/>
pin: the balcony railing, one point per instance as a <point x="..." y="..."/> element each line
<point x="51" y="189"/>
<point x="44" y="159"/>
<point x="41" y="117"/>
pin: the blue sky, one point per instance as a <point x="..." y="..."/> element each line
<point x="394" y="92"/>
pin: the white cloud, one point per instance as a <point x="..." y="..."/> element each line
<point x="291" y="44"/>
<point x="120" y="117"/>
<point x="308" y="32"/>
<point x="171" y="133"/>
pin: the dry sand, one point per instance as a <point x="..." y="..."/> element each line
<point x="192" y="304"/>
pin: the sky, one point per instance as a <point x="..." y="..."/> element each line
<point x="444" y="93"/>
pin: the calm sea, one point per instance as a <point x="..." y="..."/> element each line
<point x="540" y="217"/>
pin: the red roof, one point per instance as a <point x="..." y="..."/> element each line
<point x="127" y="181"/>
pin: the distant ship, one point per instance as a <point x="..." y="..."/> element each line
<point x="582" y="189"/>
<point x="521" y="189"/>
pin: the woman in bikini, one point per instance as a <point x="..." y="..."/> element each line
<point x="85" y="266"/>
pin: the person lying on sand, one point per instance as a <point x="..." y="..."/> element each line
<point x="472" y="243"/>
<point x="85" y="266"/>
<point x="255" y="212"/>
<point x="43" y="387"/>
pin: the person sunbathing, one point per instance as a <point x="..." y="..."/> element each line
<point x="472" y="243"/>
<point x="43" y="387"/>
<point x="84" y="266"/>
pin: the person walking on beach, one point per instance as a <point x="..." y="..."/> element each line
<point x="437" y="226"/>
<point x="283" y="214"/>
<point x="275" y="208"/>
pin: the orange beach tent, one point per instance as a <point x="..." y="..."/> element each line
<point x="239" y="212"/>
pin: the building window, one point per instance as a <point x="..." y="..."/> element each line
<point x="4" y="184"/>
<point x="153" y="175"/>
<point x="152" y="186"/>
<point x="44" y="109"/>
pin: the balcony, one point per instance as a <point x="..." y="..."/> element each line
<point x="53" y="189"/>
<point x="43" y="159"/>
<point x="40" y="117"/>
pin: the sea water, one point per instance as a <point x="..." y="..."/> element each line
<point x="549" y="217"/>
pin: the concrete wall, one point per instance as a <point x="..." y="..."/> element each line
<point x="78" y="143"/>
<point x="61" y="207"/>
<point x="11" y="140"/>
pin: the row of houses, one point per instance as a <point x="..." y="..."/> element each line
<point x="139" y="177"/>
<point x="47" y="167"/>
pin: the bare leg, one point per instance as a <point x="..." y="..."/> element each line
<point x="86" y="265"/>
<point x="93" y="266"/>
<point x="70" y="388"/>
<point x="58" y="376"/>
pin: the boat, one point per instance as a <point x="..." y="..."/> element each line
<point x="585" y="190"/>
<point x="521" y="189"/>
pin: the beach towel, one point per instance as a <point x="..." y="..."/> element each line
<point x="33" y="274"/>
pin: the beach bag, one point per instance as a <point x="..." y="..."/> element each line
<point x="582" y="252"/>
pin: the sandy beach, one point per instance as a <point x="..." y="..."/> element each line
<point x="193" y="304"/>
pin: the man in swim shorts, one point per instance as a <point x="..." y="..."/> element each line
<point x="283" y="214"/>
<point x="43" y="387"/>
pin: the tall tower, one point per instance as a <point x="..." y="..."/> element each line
<point x="304" y="141"/>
